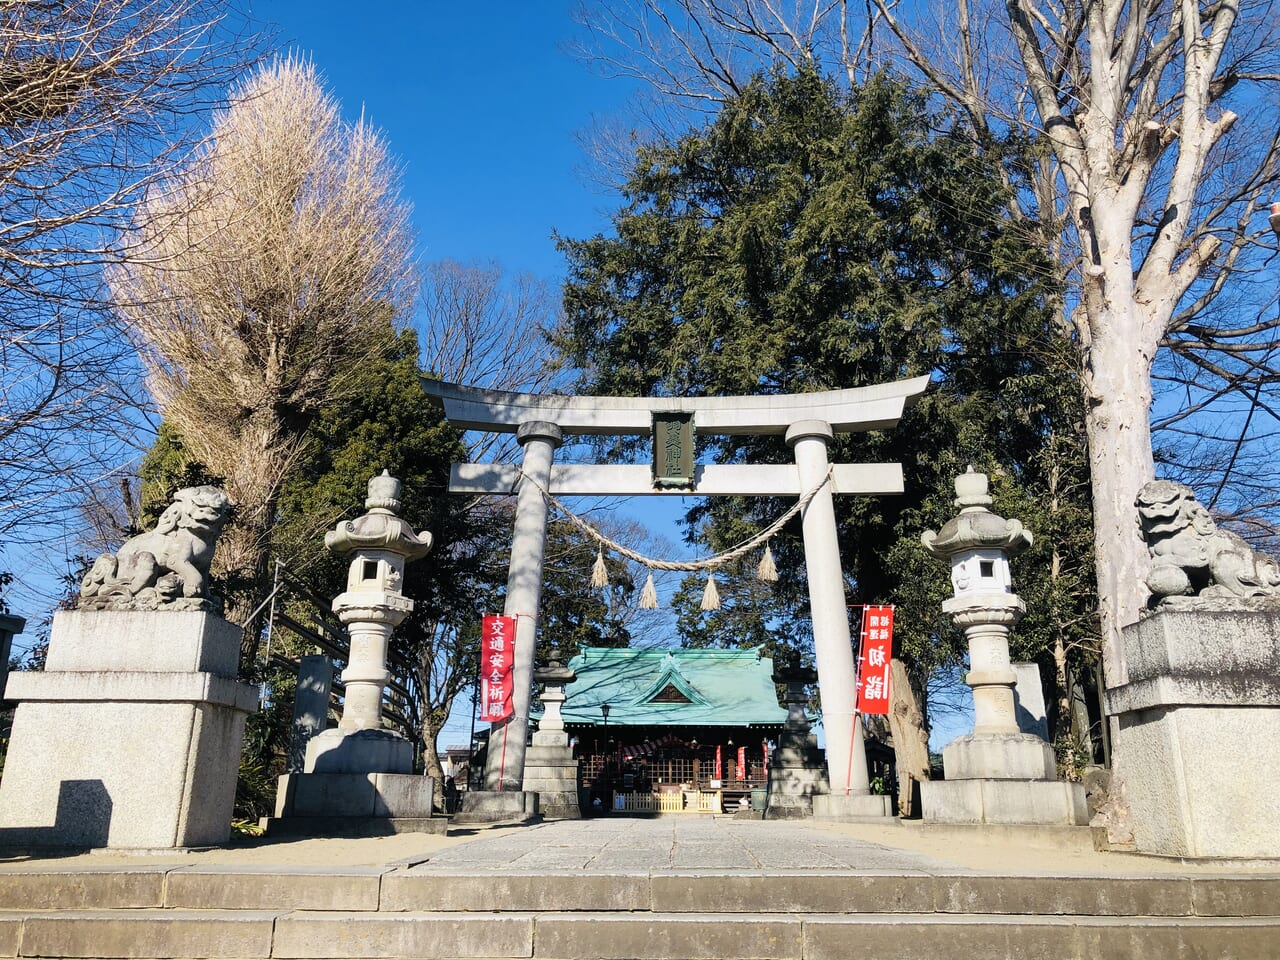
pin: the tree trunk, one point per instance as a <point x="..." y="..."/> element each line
<point x="431" y="764"/>
<point x="910" y="741"/>
<point x="1117" y="386"/>
<point x="263" y="455"/>
<point x="1120" y="457"/>
<point x="1062" y="682"/>
<point x="1117" y="392"/>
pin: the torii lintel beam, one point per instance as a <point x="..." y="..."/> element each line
<point x="711" y="480"/>
<point x="855" y="409"/>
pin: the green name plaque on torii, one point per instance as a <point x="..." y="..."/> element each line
<point x="673" y="463"/>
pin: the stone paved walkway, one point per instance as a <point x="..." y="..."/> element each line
<point x="675" y="843"/>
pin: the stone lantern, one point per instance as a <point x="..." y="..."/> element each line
<point x="997" y="774"/>
<point x="379" y="543"/>
<point x="797" y="767"/>
<point x="550" y="769"/>
<point x="553" y="678"/>
<point x="795" y="677"/>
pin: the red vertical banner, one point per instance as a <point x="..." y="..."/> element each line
<point x="873" y="663"/>
<point x="741" y="773"/>
<point x="719" y="768"/>
<point x="764" y="749"/>
<point x="497" y="659"/>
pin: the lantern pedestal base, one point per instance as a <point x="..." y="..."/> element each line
<point x="1004" y="801"/>
<point x="999" y="756"/>
<point x="797" y="773"/>
<point x="359" y="752"/>
<point x="354" y="795"/>
<point x="551" y="772"/>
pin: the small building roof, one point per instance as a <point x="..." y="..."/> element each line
<point x="724" y="688"/>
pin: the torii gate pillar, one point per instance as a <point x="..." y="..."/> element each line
<point x="846" y="754"/>
<point x="504" y="765"/>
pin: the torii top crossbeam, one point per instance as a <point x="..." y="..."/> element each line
<point x="875" y="407"/>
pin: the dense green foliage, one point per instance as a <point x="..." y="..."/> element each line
<point x="810" y="239"/>
<point x="393" y="425"/>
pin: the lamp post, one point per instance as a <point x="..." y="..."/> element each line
<point x="604" y="711"/>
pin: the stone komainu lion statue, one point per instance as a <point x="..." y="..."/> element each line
<point x="1190" y="556"/>
<point x="165" y="568"/>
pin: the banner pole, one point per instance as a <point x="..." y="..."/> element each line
<point x="857" y="675"/>
<point x="502" y="765"/>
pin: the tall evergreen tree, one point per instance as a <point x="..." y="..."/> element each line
<point x="811" y="239"/>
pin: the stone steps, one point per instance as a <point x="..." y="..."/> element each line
<point x="663" y="915"/>
<point x="630" y="936"/>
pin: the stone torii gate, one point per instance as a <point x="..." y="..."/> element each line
<point x="807" y="421"/>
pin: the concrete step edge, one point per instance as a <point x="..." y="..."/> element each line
<point x="372" y="890"/>
<point x="575" y="936"/>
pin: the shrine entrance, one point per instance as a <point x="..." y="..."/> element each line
<point x="807" y="422"/>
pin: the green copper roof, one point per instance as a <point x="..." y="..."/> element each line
<point x="725" y="688"/>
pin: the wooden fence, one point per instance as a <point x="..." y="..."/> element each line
<point x="674" y="801"/>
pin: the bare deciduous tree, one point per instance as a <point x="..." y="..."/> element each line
<point x="95" y="96"/>
<point x="263" y="275"/>
<point x="482" y="328"/>
<point x="1165" y="195"/>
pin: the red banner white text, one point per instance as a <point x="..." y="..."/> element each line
<point x="873" y="663"/>
<point x="497" y="658"/>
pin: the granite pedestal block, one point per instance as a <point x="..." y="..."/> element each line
<point x="1011" y="756"/>
<point x="1197" y="744"/>
<point x="355" y="783"/>
<point x="498" y="806"/>
<point x="353" y="805"/>
<point x="797" y="772"/>
<point x="354" y="795"/>
<point x="854" y="807"/>
<point x="358" y="751"/>
<point x="1045" y="802"/>
<point x="551" y="772"/>
<point x="130" y="737"/>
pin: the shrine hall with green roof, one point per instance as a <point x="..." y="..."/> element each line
<point x="656" y="719"/>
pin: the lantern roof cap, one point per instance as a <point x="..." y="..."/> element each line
<point x="976" y="528"/>
<point x="553" y="671"/>
<point x="381" y="528"/>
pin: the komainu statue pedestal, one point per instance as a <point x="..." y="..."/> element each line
<point x="1198" y="739"/>
<point x="131" y="735"/>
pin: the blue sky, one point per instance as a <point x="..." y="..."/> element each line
<point x="483" y="107"/>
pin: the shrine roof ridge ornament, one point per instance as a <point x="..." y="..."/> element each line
<point x="854" y="409"/>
